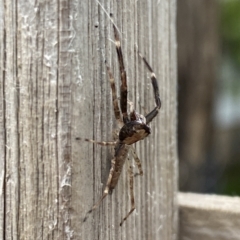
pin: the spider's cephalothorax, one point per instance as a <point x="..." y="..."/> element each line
<point x="133" y="128"/>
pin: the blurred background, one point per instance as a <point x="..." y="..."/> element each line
<point x="208" y="34"/>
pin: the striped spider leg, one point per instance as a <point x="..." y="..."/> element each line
<point x="133" y="128"/>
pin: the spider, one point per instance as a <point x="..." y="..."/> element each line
<point x="134" y="127"/>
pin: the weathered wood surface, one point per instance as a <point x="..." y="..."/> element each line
<point x="54" y="88"/>
<point x="208" y="217"/>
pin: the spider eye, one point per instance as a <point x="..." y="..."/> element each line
<point x="142" y="118"/>
<point x="133" y="116"/>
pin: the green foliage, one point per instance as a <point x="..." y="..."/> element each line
<point x="231" y="181"/>
<point x="230" y="27"/>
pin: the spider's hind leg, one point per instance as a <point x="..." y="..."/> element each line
<point x="138" y="162"/>
<point x="130" y="172"/>
<point x="106" y="190"/>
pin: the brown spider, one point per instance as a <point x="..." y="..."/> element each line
<point x="134" y="127"/>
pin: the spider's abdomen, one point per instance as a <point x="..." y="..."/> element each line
<point x="121" y="152"/>
<point x="133" y="132"/>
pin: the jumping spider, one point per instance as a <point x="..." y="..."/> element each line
<point x="134" y="127"/>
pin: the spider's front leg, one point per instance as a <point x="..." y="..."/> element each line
<point x="114" y="97"/>
<point x="149" y="117"/>
<point x="123" y="88"/>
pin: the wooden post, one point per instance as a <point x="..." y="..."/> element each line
<point x="198" y="57"/>
<point x="54" y="88"/>
<point x="205" y="216"/>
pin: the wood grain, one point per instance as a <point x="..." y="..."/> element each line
<point x="205" y="216"/>
<point x="54" y="88"/>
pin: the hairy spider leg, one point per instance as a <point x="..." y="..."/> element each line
<point x="102" y="143"/>
<point x="149" y="117"/>
<point x="116" y="109"/>
<point x="130" y="173"/>
<point x="137" y="160"/>
<point x="123" y="88"/>
<point x="106" y="190"/>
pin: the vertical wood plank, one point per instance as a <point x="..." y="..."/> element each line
<point x="2" y="126"/>
<point x="54" y="88"/>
